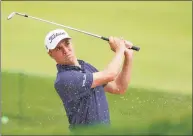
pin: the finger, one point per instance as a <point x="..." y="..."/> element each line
<point x="116" y="40"/>
<point x="122" y="40"/>
<point x="110" y="39"/>
<point x="128" y="44"/>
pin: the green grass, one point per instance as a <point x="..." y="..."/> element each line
<point x="33" y="107"/>
<point x="158" y="100"/>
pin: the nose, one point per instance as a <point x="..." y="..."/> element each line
<point x="65" y="49"/>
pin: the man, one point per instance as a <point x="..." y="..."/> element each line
<point x="81" y="86"/>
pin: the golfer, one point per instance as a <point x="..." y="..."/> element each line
<point x="81" y="86"/>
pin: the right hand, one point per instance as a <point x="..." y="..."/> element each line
<point x="116" y="43"/>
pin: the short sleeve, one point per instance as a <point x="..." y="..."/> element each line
<point x="74" y="84"/>
<point x="94" y="69"/>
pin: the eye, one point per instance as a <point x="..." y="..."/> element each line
<point x="58" y="48"/>
<point x="67" y="43"/>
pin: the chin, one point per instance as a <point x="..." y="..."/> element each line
<point x="69" y="61"/>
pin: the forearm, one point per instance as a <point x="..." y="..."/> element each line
<point x="114" y="66"/>
<point x="111" y="71"/>
<point x="123" y="79"/>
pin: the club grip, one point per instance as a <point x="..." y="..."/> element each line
<point x="133" y="47"/>
<point x="104" y="38"/>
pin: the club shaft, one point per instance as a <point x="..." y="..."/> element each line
<point x="65" y="26"/>
<point x="71" y="28"/>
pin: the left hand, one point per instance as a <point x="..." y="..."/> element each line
<point x="128" y="44"/>
<point x="128" y="52"/>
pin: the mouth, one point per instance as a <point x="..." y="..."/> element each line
<point x="68" y="56"/>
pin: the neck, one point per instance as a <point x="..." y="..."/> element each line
<point x="74" y="63"/>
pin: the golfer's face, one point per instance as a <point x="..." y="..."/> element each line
<point x="64" y="53"/>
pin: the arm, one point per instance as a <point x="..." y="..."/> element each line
<point x="121" y="82"/>
<point x="112" y="70"/>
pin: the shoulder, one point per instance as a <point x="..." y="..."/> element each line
<point x="74" y="80"/>
<point x="72" y="77"/>
<point x="64" y="79"/>
<point x="90" y="66"/>
<point x="65" y="76"/>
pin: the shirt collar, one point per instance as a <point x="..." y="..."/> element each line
<point x="61" y="67"/>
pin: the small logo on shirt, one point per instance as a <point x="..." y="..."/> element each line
<point x="84" y="80"/>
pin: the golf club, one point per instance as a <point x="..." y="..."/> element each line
<point x="91" y="34"/>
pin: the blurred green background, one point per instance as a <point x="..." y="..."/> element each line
<point x="159" y="99"/>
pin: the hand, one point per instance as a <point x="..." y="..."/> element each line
<point x="116" y="43"/>
<point x="128" y="52"/>
<point x="128" y="44"/>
